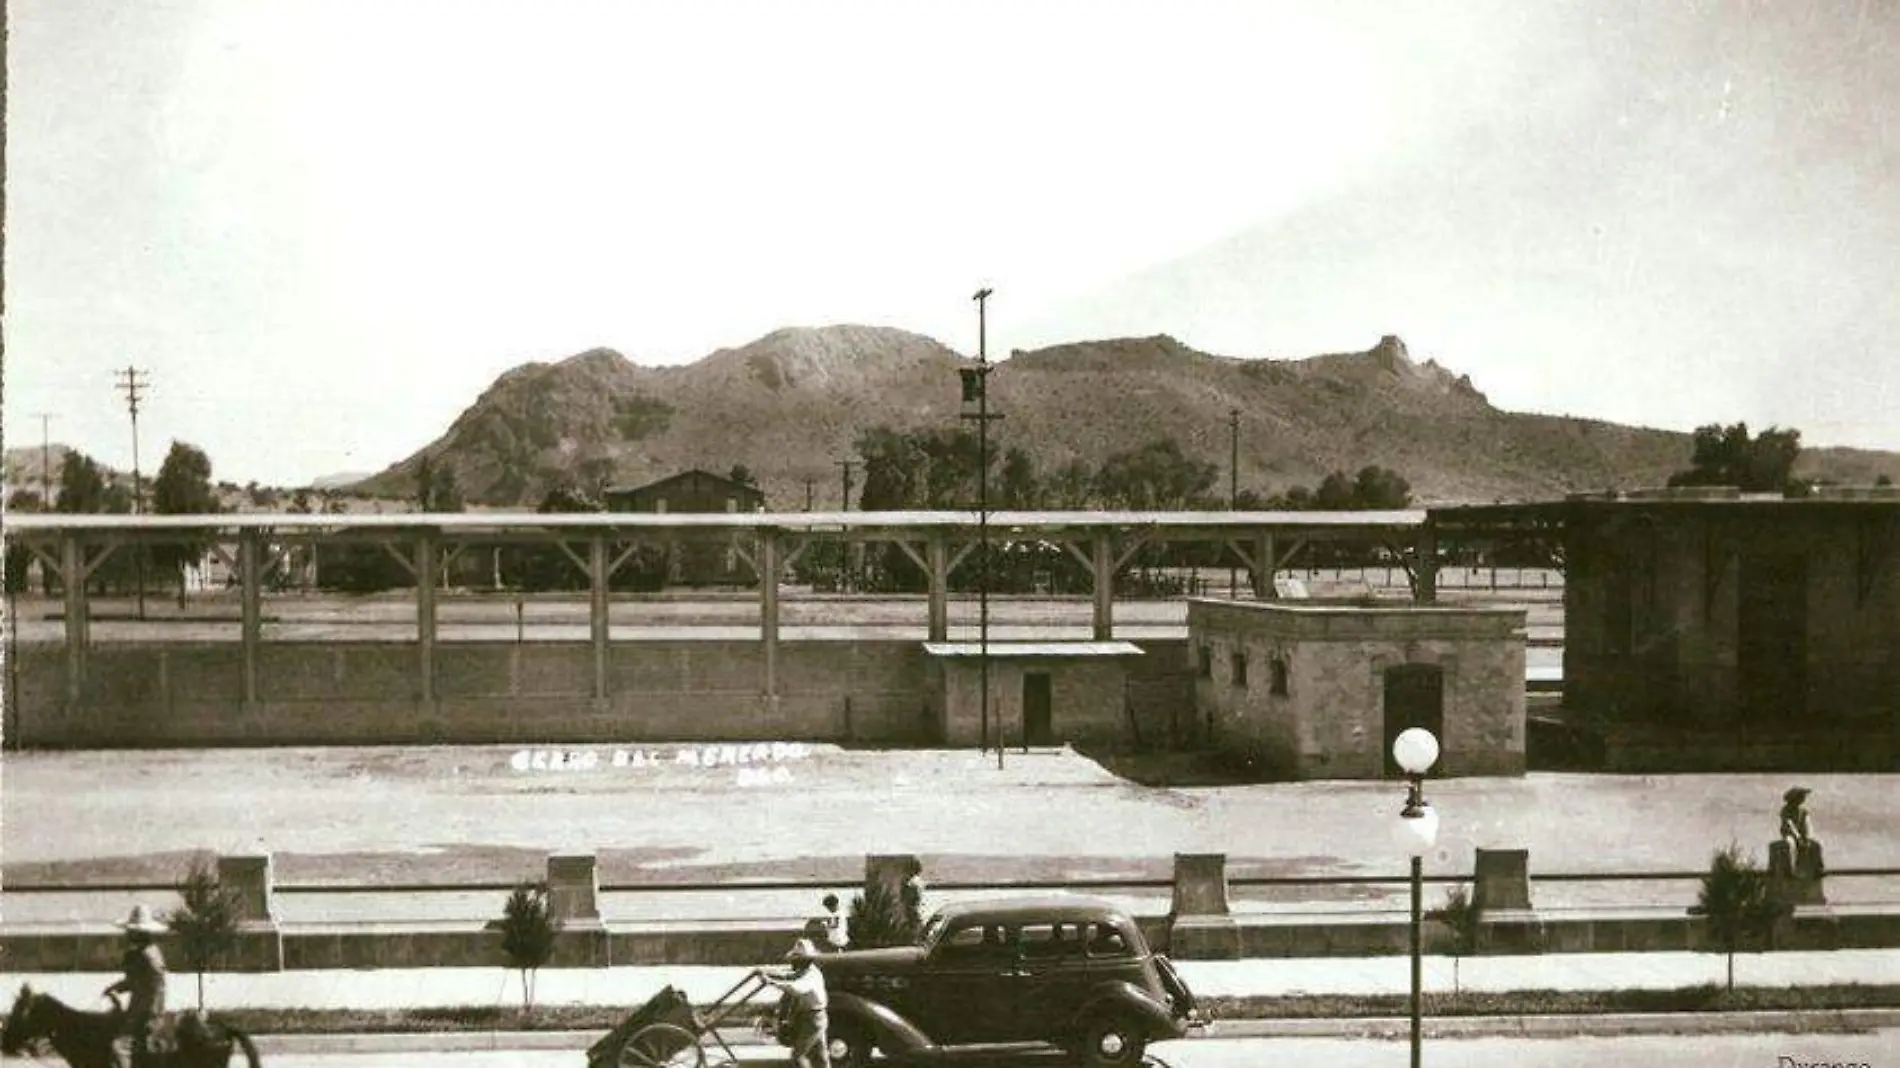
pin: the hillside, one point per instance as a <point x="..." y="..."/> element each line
<point x="789" y="405"/>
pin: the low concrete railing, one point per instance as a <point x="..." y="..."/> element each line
<point x="1200" y="922"/>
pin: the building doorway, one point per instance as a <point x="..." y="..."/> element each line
<point x="1414" y="697"/>
<point x="1038" y="728"/>
<point x="1771" y="643"/>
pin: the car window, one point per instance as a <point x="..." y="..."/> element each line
<point x="1106" y="940"/>
<point x="973" y="944"/>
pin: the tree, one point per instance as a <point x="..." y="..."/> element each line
<point x="1463" y="919"/>
<point x="205" y="922"/>
<point x="183" y="487"/>
<point x="743" y="475"/>
<point x="1017" y="487"/>
<point x="1070" y="487"/>
<point x="881" y="917"/>
<point x="528" y="930"/>
<point x="1728" y="456"/>
<point x="436" y="488"/>
<point x="1377" y="488"/>
<point x="1883" y="480"/>
<point x="1736" y="905"/>
<point x="82" y="486"/>
<point x="1155" y="477"/>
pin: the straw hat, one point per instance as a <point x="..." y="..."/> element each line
<point x="802" y="950"/>
<point x="141" y="920"/>
<point x="1796" y="795"/>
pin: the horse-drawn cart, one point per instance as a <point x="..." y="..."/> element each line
<point x="668" y="1031"/>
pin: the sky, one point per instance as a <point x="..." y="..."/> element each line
<point x="323" y="228"/>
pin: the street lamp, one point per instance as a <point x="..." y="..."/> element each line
<point x="1416" y="750"/>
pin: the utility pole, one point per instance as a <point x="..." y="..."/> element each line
<point x="844" y="554"/>
<point x="132" y="380"/>
<point x="976" y="388"/>
<point x="1233" y="486"/>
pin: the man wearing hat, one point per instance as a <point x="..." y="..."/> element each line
<point x="804" y="986"/>
<point x="144" y="982"/>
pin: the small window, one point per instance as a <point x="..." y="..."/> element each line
<point x="1240" y="667"/>
<point x="1207" y="662"/>
<point x="1278" y="669"/>
<point x="977" y="943"/>
<point x="1045" y="940"/>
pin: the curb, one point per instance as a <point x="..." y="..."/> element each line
<point x="1379" y="1028"/>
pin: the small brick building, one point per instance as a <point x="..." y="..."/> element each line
<point x="1317" y="690"/>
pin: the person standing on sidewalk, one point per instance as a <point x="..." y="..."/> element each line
<point x="835" y="936"/>
<point x="804" y="987"/>
<point x="143" y="984"/>
<point x="1804" y="853"/>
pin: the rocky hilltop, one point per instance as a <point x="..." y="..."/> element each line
<point x="789" y="405"/>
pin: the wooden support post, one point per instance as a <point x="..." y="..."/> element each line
<point x="1266" y="562"/>
<point x="1104" y="568"/>
<point x="936" y="553"/>
<point x="72" y="576"/>
<point x="597" y="574"/>
<point x="768" y="569"/>
<point x="425" y="575"/>
<point x="1427" y="567"/>
<point x="250" y="580"/>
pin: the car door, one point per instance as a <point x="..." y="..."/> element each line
<point x="961" y="995"/>
<point x="1052" y="978"/>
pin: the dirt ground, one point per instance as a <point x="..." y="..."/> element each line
<point x="798" y="812"/>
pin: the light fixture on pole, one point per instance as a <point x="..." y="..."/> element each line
<point x="976" y="389"/>
<point x="1416" y="750"/>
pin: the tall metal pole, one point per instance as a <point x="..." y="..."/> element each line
<point x="46" y="464"/>
<point x="1233" y="486"/>
<point x="983" y="517"/>
<point x="1418" y="879"/>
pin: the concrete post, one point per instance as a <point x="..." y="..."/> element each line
<point x="937" y="555"/>
<point x="890" y="871"/>
<point x="1501" y="891"/>
<point x="250" y="568"/>
<point x="573" y="889"/>
<point x="250" y="881"/>
<point x="1104" y="569"/>
<point x="1201" y="927"/>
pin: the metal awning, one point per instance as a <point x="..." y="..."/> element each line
<point x="1041" y="649"/>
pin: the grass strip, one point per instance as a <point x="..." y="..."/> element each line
<point x="1708" y="998"/>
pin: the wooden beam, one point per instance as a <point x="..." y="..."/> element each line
<point x="250" y="597"/>
<point x="73" y="578"/>
<point x="1137" y="540"/>
<point x="597" y="610"/>
<point x="401" y="557"/>
<point x="937" y="569"/>
<point x="915" y="556"/>
<point x="768" y="613"/>
<point x="1104" y="570"/>
<point x="425" y="572"/>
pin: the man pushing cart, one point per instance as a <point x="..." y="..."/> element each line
<point x="668" y="1032"/>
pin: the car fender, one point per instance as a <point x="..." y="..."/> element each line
<point x="893" y="1033"/>
<point x="1121" y="996"/>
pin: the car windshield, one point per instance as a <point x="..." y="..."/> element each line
<point x="933" y="929"/>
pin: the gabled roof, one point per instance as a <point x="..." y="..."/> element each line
<point x="695" y="473"/>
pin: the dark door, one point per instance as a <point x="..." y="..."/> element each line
<point x="1772" y="636"/>
<point x="1414" y="697"/>
<point x="1037" y="715"/>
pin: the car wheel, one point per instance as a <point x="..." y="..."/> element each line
<point x="1113" y="1042"/>
<point x="849" y="1046"/>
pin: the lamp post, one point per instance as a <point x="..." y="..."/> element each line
<point x="1416" y="750"/>
<point x="976" y="388"/>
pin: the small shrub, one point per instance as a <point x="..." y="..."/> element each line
<point x="205" y="922"/>
<point x="1736" y="905"/>
<point x="1462" y="919"/>
<point x="880" y="917"/>
<point x="528" y="930"/>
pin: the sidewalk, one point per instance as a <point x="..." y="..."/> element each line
<point x="629" y="987"/>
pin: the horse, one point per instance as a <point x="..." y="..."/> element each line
<point x="85" y="1039"/>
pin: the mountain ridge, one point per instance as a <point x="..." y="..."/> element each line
<point x="789" y="404"/>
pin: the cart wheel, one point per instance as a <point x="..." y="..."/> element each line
<point x="662" y="1046"/>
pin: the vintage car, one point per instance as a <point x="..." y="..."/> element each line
<point x="1069" y="972"/>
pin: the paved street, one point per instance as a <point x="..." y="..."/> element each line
<point x="1698" y="1051"/>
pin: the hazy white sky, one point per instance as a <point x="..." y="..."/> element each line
<point x="324" y="227"/>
